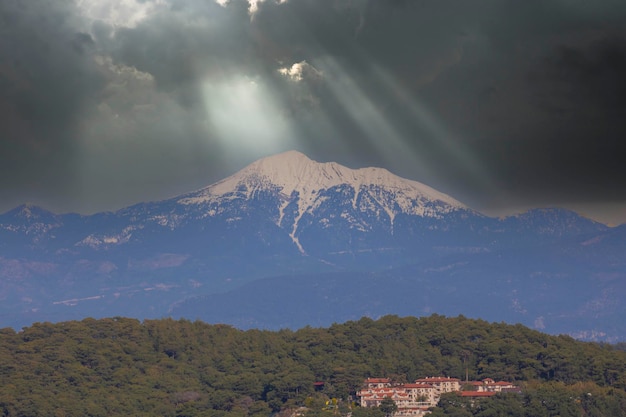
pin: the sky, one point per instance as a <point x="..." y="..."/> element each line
<point x="503" y="104"/>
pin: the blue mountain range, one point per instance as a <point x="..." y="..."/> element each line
<point x="290" y="242"/>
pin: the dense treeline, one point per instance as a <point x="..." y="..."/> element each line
<point x="180" y="368"/>
<point x="551" y="399"/>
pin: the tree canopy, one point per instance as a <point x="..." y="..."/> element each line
<point x="121" y="366"/>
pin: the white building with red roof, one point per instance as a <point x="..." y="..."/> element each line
<point x="489" y="385"/>
<point x="377" y="382"/>
<point x="414" y="399"/>
<point x="442" y="384"/>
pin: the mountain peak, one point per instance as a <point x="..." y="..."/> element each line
<point x="293" y="171"/>
<point x="30" y="212"/>
<point x="289" y="157"/>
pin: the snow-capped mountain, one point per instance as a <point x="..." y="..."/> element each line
<point x="293" y="202"/>
<point x="303" y="188"/>
<point x="293" y="173"/>
<point x="302" y="234"/>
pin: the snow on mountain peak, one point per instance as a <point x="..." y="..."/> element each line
<point x="293" y="171"/>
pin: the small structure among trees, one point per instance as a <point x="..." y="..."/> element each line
<point x="415" y="399"/>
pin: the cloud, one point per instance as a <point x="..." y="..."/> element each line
<point x="254" y="5"/>
<point x="591" y="74"/>
<point x="478" y="98"/>
<point x="118" y="13"/>
<point x="47" y="78"/>
<point x="301" y="70"/>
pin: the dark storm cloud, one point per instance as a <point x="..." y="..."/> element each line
<point x="499" y="103"/>
<point x="530" y="91"/>
<point x="187" y="41"/>
<point x="592" y="75"/>
<point x="45" y="77"/>
<point x="410" y="42"/>
<point x="583" y="93"/>
<point x="539" y="101"/>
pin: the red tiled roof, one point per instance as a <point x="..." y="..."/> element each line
<point x="477" y="393"/>
<point x="438" y="379"/>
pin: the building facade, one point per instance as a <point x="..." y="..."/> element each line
<point x="414" y="399"/>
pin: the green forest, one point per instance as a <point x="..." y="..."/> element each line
<point x="121" y="366"/>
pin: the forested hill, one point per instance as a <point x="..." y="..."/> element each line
<point x="121" y="366"/>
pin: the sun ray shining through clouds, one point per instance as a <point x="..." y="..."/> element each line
<point x="453" y="146"/>
<point x="364" y="112"/>
<point x="121" y="13"/>
<point x="245" y="117"/>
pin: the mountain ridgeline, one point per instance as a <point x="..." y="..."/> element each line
<point x="120" y="366"/>
<point x="290" y="242"/>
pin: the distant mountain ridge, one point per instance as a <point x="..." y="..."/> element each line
<point x="286" y="217"/>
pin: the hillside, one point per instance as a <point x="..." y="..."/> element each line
<point x="120" y="366"/>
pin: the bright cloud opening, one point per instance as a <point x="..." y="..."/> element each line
<point x="245" y="116"/>
<point x="254" y="4"/>
<point x="300" y="70"/>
